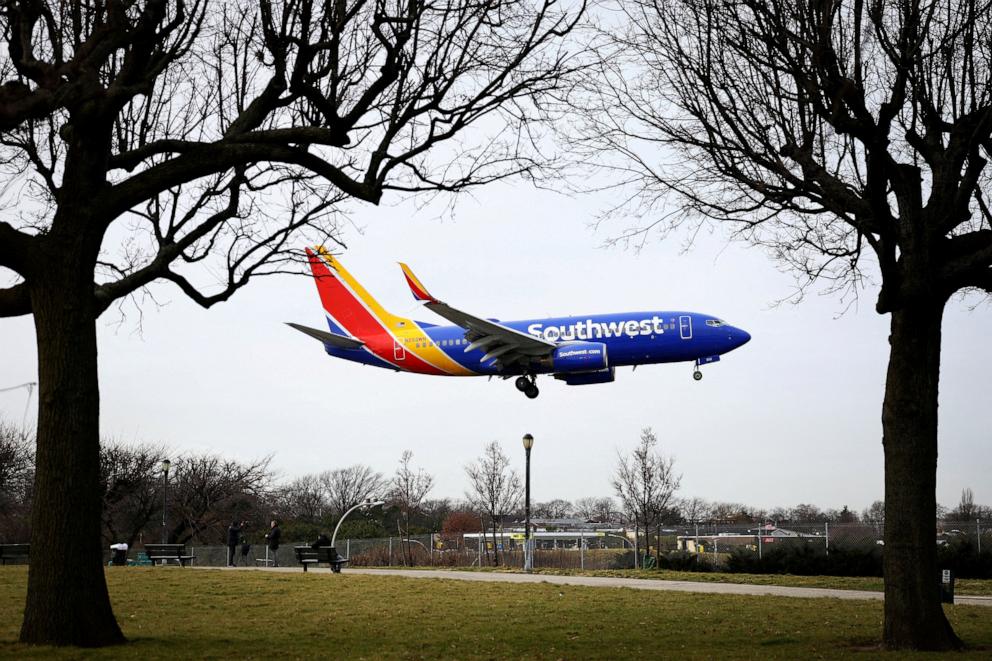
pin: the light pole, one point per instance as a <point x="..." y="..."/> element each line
<point x="368" y="504"/>
<point x="165" y="499"/>
<point x="528" y="559"/>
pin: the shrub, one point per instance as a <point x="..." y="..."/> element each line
<point x="962" y="557"/>
<point x="808" y="560"/>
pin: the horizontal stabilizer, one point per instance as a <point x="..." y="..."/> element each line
<point x="331" y="339"/>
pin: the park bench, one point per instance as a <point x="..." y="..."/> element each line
<point x="168" y="552"/>
<point x="308" y="555"/>
<point x="14" y="553"/>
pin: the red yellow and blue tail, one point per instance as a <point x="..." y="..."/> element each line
<point x="399" y="342"/>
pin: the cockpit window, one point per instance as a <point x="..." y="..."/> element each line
<point x="716" y="323"/>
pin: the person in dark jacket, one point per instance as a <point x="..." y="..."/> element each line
<point x="233" y="539"/>
<point x="273" y="538"/>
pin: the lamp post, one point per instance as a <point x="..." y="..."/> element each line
<point x="368" y="504"/>
<point x="165" y="499"/>
<point x="528" y="552"/>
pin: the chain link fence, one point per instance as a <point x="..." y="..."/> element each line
<point x="703" y="546"/>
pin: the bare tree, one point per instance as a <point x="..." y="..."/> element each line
<point x="602" y="510"/>
<point x="208" y="137"/>
<point x="435" y="511"/>
<point x="304" y="499"/>
<point x="848" y="137"/>
<point x="16" y="478"/>
<point x="966" y="510"/>
<point x="130" y="476"/>
<point x="845" y="515"/>
<point x="208" y="492"/>
<point x="554" y="509"/>
<point x="494" y="489"/>
<point x="694" y="509"/>
<point x="645" y="482"/>
<point x="874" y="515"/>
<point x="407" y="490"/>
<point x="806" y="513"/>
<point x="346" y="487"/>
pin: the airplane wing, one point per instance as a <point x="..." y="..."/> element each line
<point x="502" y="344"/>
<point x="331" y="339"/>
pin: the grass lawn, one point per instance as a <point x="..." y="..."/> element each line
<point x="169" y="612"/>
<point x="962" y="586"/>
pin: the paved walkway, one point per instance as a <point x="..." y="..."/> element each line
<point x="636" y="583"/>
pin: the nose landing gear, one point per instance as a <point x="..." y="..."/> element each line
<point x="527" y="385"/>
<point x="696" y="374"/>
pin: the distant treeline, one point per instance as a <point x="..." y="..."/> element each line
<point x="206" y="493"/>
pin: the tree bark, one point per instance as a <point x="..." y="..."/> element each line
<point x="67" y="600"/>
<point x="914" y="618"/>
<point x="495" y="546"/>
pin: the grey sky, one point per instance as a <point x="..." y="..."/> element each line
<point x="793" y="416"/>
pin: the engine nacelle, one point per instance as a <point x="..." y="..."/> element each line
<point x="587" y="378"/>
<point x="580" y="357"/>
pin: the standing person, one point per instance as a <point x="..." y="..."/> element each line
<point x="233" y="537"/>
<point x="273" y="537"/>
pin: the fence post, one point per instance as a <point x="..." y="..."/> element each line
<point x="697" y="539"/>
<point x="582" y="549"/>
<point x="347" y="548"/>
<point x="760" y="526"/>
<point x="826" y="532"/>
<point x="390" y="551"/>
<point x="978" y="533"/>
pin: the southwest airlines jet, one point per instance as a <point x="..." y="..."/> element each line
<point x="578" y="350"/>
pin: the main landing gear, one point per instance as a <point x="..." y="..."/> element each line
<point x="527" y="385"/>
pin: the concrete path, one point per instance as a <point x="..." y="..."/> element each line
<point x="644" y="584"/>
<point x="611" y="582"/>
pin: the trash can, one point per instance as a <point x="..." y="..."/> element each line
<point x="120" y="558"/>
<point x="947" y="586"/>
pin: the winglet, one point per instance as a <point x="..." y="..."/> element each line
<point x="416" y="287"/>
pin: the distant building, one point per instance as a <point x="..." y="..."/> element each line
<point x="727" y="541"/>
<point x="558" y="534"/>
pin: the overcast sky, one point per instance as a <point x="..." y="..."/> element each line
<point x="792" y="417"/>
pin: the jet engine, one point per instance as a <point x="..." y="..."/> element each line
<point x="587" y="378"/>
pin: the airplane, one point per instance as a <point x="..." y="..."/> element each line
<point x="579" y="350"/>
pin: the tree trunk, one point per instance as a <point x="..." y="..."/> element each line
<point x="495" y="546"/>
<point x="67" y="600"/>
<point x="914" y="618"/>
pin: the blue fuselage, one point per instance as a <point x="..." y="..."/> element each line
<point x="633" y="338"/>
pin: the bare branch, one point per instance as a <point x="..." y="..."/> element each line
<point x="15" y="301"/>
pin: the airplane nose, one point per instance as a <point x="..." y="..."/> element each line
<point x="739" y="337"/>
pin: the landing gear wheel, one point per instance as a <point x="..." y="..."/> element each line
<point x="522" y="383"/>
<point x="697" y="375"/>
<point x="532" y="392"/>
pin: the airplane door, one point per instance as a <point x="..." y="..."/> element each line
<point x="399" y="353"/>
<point x="685" y="327"/>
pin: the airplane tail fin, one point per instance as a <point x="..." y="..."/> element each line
<point x="350" y="309"/>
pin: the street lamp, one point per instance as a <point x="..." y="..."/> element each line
<point x="368" y="504"/>
<point x="528" y="551"/>
<point x="165" y="498"/>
